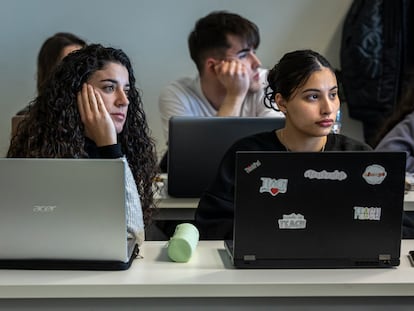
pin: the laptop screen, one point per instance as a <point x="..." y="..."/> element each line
<point x="197" y="144"/>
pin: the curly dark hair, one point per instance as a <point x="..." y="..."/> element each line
<point x="53" y="127"/>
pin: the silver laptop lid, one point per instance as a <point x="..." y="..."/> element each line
<point x="62" y="209"/>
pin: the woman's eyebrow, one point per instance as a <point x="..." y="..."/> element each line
<point x="311" y="90"/>
<point x="114" y="81"/>
<point x="109" y="80"/>
<point x="318" y="90"/>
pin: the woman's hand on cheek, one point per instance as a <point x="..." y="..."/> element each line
<point x="98" y="123"/>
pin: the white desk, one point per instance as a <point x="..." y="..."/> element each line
<point x="170" y="208"/>
<point x="209" y="282"/>
<point x="409" y="201"/>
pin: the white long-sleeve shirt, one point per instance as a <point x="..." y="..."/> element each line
<point x="184" y="97"/>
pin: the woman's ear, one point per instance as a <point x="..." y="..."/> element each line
<point x="281" y="103"/>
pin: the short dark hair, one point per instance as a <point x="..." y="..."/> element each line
<point x="50" y="52"/>
<point x="291" y="72"/>
<point x="210" y="34"/>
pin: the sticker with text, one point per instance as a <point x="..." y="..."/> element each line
<point x="335" y="175"/>
<point x="273" y="186"/>
<point x="252" y="166"/>
<point x="367" y="213"/>
<point x="374" y="174"/>
<point x="292" y="221"/>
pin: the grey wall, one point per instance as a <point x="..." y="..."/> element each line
<point x="153" y="33"/>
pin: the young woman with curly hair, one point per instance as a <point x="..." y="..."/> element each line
<point x="90" y="108"/>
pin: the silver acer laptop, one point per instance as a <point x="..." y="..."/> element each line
<point x="63" y="214"/>
<point x="318" y="210"/>
<point x="196" y="146"/>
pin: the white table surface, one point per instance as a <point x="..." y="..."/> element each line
<point x="409" y="201"/>
<point x="208" y="274"/>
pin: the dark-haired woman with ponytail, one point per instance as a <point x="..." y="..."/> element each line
<point x="303" y="86"/>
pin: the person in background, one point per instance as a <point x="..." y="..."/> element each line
<point x="51" y="53"/>
<point x="303" y="86"/>
<point x="397" y="134"/>
<point x="230" y="79"/>
<point x="90" y="108"/>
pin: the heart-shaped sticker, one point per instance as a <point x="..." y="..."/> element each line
<point x="274" y="191"/>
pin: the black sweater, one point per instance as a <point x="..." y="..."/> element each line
<point x="104" y="152"/>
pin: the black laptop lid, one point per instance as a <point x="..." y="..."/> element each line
<point x="196" y="146"/>
<point x="325" y="209"/>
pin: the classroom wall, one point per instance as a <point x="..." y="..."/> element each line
<point x="154" y="35"/>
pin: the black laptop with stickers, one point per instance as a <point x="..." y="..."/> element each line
<point x="318" y="210"/>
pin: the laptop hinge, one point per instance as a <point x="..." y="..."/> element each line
<point x="249" y="257"/>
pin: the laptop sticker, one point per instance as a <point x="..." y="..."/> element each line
<point x="252" y="167"/>
<point x="374" y="174"/>
<point x="367" y="213"/>
<point x="292" y="221"/>
<point x="273" y="186"/>
<point x="335" y="175"/>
